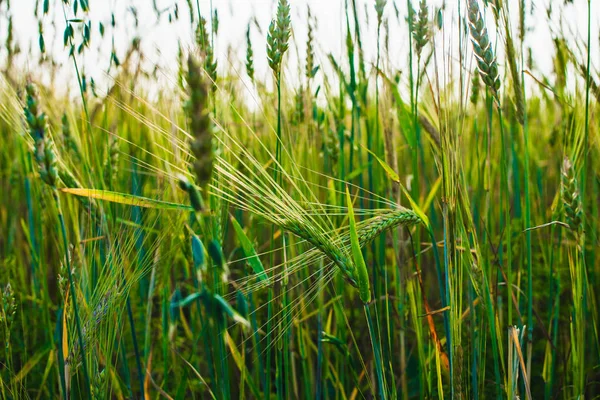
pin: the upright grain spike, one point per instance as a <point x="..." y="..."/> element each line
<point x="206" y="51"/>
<point x="44" y="153"/>
<point x="249" y="56"/>
<point x="310" y="52"/>
<point x="421" y="31"/>
<point x="283" y="25"/>
<point x="278" y="36"/>
<point x="201" y="125"/>
<point x="379" y="7"/>
<point x="486" y="59"/>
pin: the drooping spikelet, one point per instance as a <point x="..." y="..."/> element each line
<point x="385" y="220"/>
<point x="570" y="196"/>
<point x="486" y="60"/>
<point x="200" y="123"/>
<point x="324" y="245"/>
<point x="44" y="153"/>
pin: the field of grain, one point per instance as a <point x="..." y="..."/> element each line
<point x="336" y="227"/>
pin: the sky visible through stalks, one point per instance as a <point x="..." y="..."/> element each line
<point x="159" y="36"/>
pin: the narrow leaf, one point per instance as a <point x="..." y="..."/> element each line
<point x="388" y="170"/>
<point x="359" y="262"/>
<point x="415" y="207"/>
<point x="394" y="176"/>
<point x="32" y="362"/>
<point x="124" y="198"/>
<point x="249" y="251"/>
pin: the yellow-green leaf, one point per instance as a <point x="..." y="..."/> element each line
<point x="394" y="176"/>
<point x="389" y="170"/>
<point x="124" y="198"/>
<point x="432" y="192"/>
<point x="415" y="207"/>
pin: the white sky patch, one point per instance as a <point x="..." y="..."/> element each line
<point x="159" y="38"/>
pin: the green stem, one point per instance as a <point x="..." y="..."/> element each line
<point x="72" y="292"/>
<point x="138" y="362"/>
<point x="381" y="388"/>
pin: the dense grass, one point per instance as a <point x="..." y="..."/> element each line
<point x="366" y="233"/>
